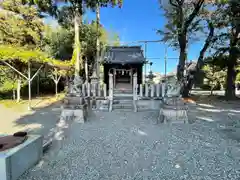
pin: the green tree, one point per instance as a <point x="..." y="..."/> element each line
<point x="96" y="7"/>
<point x="58" y="42"/>
<point x="215" y="75"/>
<point x="20" y="25"/>
<point x="181" y="21"/>
<point x="76" y="9"/>
<point x="228" y="40"/>
<point x="186" y="24"/>
<point x="233" y="15"/>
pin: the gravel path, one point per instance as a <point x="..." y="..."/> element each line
<point x="130" y="145"/>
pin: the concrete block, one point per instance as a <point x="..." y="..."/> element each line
<point x="80" y="115"/>
<point x="149" y="104"/>
<point x="15" y="161"/>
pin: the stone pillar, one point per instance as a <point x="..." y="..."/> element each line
<point x="163" y="89"/>
<point x="114" y="78"/>
<point x="131" y="76"/>
<point x="94" y="86"/>
<point x="135" y="91"/>
<point x="110" y="91"/>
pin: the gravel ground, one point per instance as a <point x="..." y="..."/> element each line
<point x="41" y="121"/>
<point x="127" y="145"/>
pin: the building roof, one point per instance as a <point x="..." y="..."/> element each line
<point x="123" y="55"/>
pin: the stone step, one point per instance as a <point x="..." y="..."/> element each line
<point x="120" y="92"/>
<point x="121" y="95"/>
<point x="122" y="101"/>
<point x="123" y="106"/>
<point x="123" y="92"/>
<point x="105" y="109"/>
<point x="123" y="110"/>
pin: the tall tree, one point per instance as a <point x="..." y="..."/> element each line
<point x="233" y="12"/>
<point x="181" y="15"/>
<point x="96" y="5"/>
<point x="20" y="26"/>
<point x="77" y="9"/>
<point x="228" y="40"/>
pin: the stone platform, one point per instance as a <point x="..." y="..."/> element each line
<point x="15" y="161"/>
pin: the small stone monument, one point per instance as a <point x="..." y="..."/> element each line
<point x="75" y="102"/>
<point x="94" y="84"/>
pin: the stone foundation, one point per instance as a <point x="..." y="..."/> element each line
<point x="74" y="110"/>
<point x="148" y="104"/>
<point x="15" y="161"/>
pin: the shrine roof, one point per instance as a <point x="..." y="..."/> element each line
<point x="123" y="55"/>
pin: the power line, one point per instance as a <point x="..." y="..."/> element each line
<point x="164" y="57"/>
<point x="132" y="42"/>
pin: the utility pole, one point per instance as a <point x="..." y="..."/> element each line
<point x="145" y="50"/>
<point x="165" y="64"/>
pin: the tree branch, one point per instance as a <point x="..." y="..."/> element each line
<point x="173" y="4"/>
<point x="207" y="43"/>
<point x="191" y="17"/>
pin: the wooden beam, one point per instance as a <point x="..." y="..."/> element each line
<point x="36" y="73"/>
<point x="29" y="86"/>
<point x="15" y="70"/>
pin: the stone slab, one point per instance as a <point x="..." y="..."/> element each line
<point x="15" y="161"/>
<point x="149" y="104"/>
<point x="80" y="115"/>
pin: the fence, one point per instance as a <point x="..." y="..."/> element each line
<point x="149" y="91"/>
<point x="92" y="90"/>
<point x="140" y="91"/>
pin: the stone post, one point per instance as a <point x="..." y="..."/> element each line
<point x="146" y="90"/>
<point x="110" y="91"/>
<point x="163" y="89"/>
<point x="94" y="87"/>
<point x="141" y="90"/>
<point x="135" y="92"/>
<point x="158" y="90"/>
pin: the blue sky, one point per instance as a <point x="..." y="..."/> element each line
<point x="138" y="20"/>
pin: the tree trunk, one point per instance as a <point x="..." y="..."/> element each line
<point x="77" y="23"/>
<point x="181" y="64"/>
<point x="200" y="62"/>
<point x="56" y="88"/>
<point x="86" y="70"/>
<point x="38" y="80"/>
<point x="230" y="79"/>
<point x="97" y="40"/>
<point x="182" y="57"/>
<point x="18" y="90"/>
<point x="14" y="94"/>
<point x="211" y="91"/>
<point x="231" y="72"/>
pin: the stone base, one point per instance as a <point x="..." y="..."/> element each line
<point x="102" y="105"/>
<point x="14" y="162"/>
<point x="78" y="114"/>
<point x="173" y="115"/>
<point x="148" y="104"/>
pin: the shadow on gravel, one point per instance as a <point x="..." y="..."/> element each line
<point x="42" y="120"/>
<point x="222" y="115"/>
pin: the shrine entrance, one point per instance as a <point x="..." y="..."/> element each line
<point x="123" y="78"/>
<point x="123" y="62"/>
